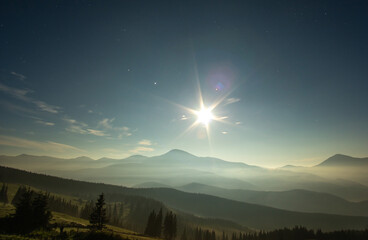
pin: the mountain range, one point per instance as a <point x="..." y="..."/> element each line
<point x="178" y="168"/>
<point x="253" y="216"/>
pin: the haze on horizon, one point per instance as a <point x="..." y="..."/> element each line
<point x="287" y="80"/>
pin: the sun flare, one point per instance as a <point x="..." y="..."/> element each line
<point x="204" y="116"/>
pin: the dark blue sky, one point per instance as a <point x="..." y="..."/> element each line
<point x="105" y="78"/>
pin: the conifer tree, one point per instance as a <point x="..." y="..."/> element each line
<point x="41" y="215"/>
<point x="23" y="212"/>
<point x="18" y="195"/>
<point x="158" y="224"/>
<point x="170" y="226"/>
<point x="151" y="222"/>
<point x="98" y="216"/>
<point x="4" y="194"/>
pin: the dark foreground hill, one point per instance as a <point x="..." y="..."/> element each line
<point x="250" y="215"/>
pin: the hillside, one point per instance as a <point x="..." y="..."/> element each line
<point x="65" y="219"/>
<point x="250" y="215"/>
<point x="293" y="200"/>
<point x="136" y="207"/>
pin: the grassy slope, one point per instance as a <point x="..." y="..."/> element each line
<point x="6" y="209"/>
<point x="190" y="221"/>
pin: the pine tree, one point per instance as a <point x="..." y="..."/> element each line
<point x="98" y="216"/>
<point x="23" y="212"/>
<point x="170" y="226"/>
<point x="41" y="215"/>
<point x="158" y="224"/>
<point x="18" y="195"/>
<point x="151" y="222"/>
<point x="4" y="194"/>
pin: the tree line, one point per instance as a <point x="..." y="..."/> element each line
<point x="158" y="226"/>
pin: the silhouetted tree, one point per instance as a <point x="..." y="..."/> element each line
<point x="151" y="224"/>
<point x="18" y="195"/>
<point x="23" y="212"/>
<point x="31" y="212"/>
<point x="158" y="224"/>
<point x="41" y="215"/>
<point x="170" y="226"/>
<point x="98" y="216"/>
<point x="4" y="194"/>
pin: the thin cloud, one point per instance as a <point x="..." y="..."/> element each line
<point x="231" y="100"/>
<point x="19" y="76"/>
<point x="21" y="94"/>
<point x="46" y="107"/>
<point x="238" y="123"/>
<point x="106" y="123"/>
<point x="122" y="131"/>
<point x="75" y="126"/>
<point x="104" y="128"/>
<point x="30" y="144"/>
<point x="125" y="129"/>
<point x="145" y="142"/>
<point x="96" y="132"/>
<point x="224" y="132"/>
<point x="142" y="149"/>
<point x="45" y="123"/>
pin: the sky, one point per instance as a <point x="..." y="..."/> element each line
<point x="287" y="80"/>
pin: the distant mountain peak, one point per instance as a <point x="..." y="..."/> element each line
<point x="83" y="158"/>
<point x="178" y="152"/>
<point x="344" y="160"/>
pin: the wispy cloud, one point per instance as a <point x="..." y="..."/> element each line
<point x="21" y="94"/>
<point x="106" y="123"/>
<point x="231" y="100"/>
<point x="19" y="76"/>
<point x="238" y="123"/>
<point x="103" y="128"/>
<point x="96" y="132"/>
<point x="142" y="149"/>
<point x="38" y="145"/>
<point x="45" y="123"/>
<point x="75" y="126"/>
<point x="224" y="132"/>
<point x="46" y="107"/>
<point x="145" y="142"/>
